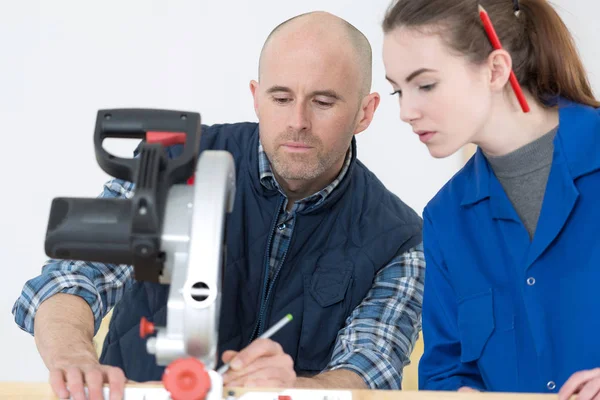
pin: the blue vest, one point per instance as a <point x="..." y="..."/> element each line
<point x="335" y="252"/>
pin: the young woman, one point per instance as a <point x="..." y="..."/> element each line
<point x="512" y="241"/>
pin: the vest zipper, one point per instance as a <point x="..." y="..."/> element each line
<point x="261" y="321"/>
<point x="266" y="265"/>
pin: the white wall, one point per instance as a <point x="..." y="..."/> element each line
<point x="61" y="61"/>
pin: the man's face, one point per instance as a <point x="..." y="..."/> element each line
<point x="307" y="103"/>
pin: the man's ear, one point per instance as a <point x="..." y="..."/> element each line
<point x="254" y="90"/>
<point x="367" y="111"/>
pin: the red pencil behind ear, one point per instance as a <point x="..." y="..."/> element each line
<point x="489" y="29"/>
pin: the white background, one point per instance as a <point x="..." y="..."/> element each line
<point x="61" y="61"/>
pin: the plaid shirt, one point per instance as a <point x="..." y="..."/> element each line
<point x="286" y="219"/>
<point x="379" y="335"/>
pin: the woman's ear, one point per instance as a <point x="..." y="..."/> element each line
<point x="499" y="63"/>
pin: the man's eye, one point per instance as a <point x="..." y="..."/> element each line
<point x="323" y="103"/>
<point x="281" y="100"/>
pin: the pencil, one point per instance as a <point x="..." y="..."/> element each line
<point x="493" y="36"/>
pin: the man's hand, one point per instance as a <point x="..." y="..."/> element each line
<point x="70" y="379"/>
<point x="586" y="384"/>
<point x="262" y="364"/>
<point x="64" y="330"/>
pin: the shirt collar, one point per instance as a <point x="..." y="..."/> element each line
<point x="577" y="139"/>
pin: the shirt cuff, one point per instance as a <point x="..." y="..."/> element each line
<point x="374" y="368"/>
<point x="39" y="289"/>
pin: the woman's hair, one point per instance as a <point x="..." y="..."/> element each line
<point x="544" y="56"/>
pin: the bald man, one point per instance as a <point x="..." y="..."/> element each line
<point x="313" y="233"/>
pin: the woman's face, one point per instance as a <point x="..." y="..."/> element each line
<point x="443" y="96"/>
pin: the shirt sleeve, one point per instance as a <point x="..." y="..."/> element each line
<point x="100" y="285"/>
<point x="440" y="367"/>
<point x="381" y="332"/>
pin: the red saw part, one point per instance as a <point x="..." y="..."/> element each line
<point x="186" y="379"/>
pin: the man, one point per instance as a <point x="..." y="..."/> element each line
<point x="313" y="233"/>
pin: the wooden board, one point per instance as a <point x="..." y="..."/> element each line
<point x="42" y="391"/>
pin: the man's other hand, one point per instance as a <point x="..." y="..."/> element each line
<point x="262" y="364"/>
<point x="70" y="379"/>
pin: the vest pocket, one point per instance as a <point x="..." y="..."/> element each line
<point x="326" y="307"/>
<point x="488" y="338"/>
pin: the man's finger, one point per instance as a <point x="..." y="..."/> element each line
<point x="258" y="348"/>
<point x="276" y="377"/>
<point x="116" y="383"/>
<point x="237" y="383"/>
<point x="283" y="364"/>
<point x="228" y="355"/>
<point x="75" y="383"/>
<point x="57" y="382"/>
<point x="261" y="363"/>
<point x="575" y="383"/>
<point x="94" y="380"/>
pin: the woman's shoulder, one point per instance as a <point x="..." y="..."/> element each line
<point x="453" y="193"/>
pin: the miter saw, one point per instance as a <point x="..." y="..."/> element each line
<point x="172" y="231"/>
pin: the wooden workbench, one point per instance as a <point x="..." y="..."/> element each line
<point x="42" y="391"/>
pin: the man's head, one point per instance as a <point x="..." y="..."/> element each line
<point x="312" y="96"/>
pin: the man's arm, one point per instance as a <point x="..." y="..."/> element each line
<point x="64" y="326"/>
<point x="370" y="351"/>
<point x="381" y="332"/>
<point x="100" y="285"/>
<point x="63" y="308"/>
<point x="338" y="379"/>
